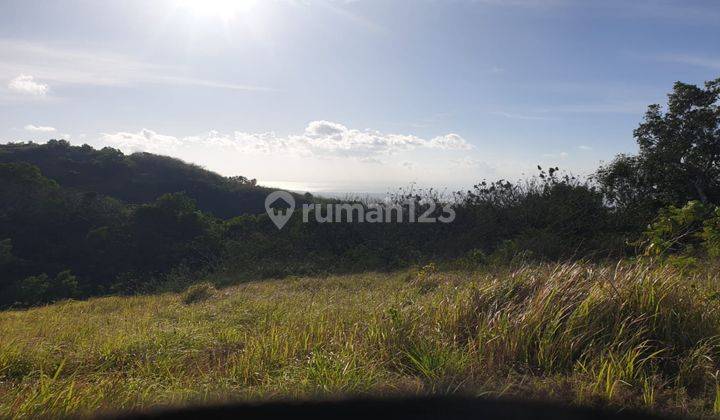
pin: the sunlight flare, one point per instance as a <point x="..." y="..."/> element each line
<point x="223" y="9"/>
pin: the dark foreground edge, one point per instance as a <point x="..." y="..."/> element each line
<point x="395" y="409"/>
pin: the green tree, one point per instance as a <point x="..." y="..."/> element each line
<point x="679" y="157"/>
<point x="65" y="285"/>
<point x="33" y="289"/>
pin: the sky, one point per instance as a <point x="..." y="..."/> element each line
<point x="359" y="96"/>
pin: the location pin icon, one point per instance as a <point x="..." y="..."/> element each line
<point x="280" y="216"/>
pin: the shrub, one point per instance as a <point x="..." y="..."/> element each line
<point x="198" y="293"/>
<point x="43" y="289"/>
<point x="711" y="234"/>
<point x="473" y="259"/>
<point x="33" y="289"/>
<point x="675" y="230"/>
<point x="66" y="285"/>
<point x="691" y="230"/>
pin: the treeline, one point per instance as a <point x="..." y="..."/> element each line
<point x="59" y="243"/>
<point x="78" y="222"/>
<point x="138" y="178"/>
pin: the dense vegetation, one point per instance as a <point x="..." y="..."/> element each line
<point x="77" y="222"/>
<point x="60" y="243"/>
<point x="628" y="335"/>
<point x="138" y="178"/>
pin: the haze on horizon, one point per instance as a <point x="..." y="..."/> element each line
<point x="354" y="95"/>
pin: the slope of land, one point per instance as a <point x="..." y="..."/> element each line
<point x="620" y="336"/>
<point x="138" y="178"/>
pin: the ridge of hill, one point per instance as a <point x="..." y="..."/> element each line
<point x="138" y="178"/>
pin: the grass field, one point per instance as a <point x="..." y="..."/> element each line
<point x="624" y="336"/>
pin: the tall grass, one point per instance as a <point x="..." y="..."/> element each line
<point x="626" y="335"/>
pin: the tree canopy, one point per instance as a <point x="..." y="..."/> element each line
<point x="679" y="153"/>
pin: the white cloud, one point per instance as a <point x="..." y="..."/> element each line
<point x="39" y="128"/>
<point x="143" y="141"/>
<point x="324" y="128"/>
<point x="561" y="155"/>
<point x="583" y="147"/>
<point x="328" y="138"/>
<point x="27" y="85"/>
<point x="408" y="165"/>
<point x="60" y="64"/>
<point x="449" y="142"/>
<point x="474" y="165"/>
<point x="692" y="60"/>
<point x="323" y="139"/>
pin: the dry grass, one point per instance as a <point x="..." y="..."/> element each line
<point x="626" y="336"/>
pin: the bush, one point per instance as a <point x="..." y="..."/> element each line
<point x="552" y="216"/>
<point x="691" y="230"/>
<point x="711" y="234"/>
<point x="33" y="289"/>
<point x="198" y="293"/>
<point x="43" y="289"/>
<point x="473" y="259"/>
<point x="675" y="230"/>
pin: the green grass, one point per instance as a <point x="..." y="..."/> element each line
<point x="620" y="336"/>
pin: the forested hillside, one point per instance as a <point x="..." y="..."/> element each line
<point x="138" y="178"/>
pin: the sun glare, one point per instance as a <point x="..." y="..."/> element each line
<point x="223" y="9"/>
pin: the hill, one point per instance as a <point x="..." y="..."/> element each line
<point x="138" y="178"/>
<point x="77" y="222"/>
<point x="67" y="230"/>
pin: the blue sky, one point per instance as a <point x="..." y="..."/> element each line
<point x="359" y="96"/>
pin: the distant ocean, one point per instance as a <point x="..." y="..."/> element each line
<point x="337" y="190"/>
<point x="328" y="189"/>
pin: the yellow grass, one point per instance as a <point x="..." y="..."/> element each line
<point x="627" y="336"/>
